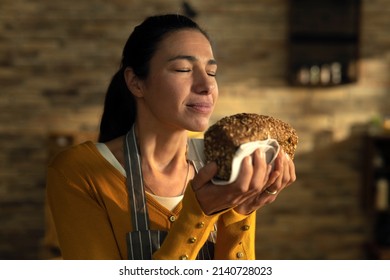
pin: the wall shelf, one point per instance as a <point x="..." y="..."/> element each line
<point x="323" y="39"/>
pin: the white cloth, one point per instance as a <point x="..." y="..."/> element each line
<point x="269" y="147"/>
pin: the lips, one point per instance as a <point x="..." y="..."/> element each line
<point x="201" y="107"/>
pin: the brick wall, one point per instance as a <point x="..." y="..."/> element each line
<point x="57" y="57"/>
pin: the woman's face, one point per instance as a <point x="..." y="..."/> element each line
<point x="181" y="88"/>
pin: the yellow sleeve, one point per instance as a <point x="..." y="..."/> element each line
<point x="189" y="232"/>
<point x="81" y="222"/>
<point x="235" y="236"/>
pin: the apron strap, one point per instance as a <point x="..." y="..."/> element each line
<point x="135" y="184"/>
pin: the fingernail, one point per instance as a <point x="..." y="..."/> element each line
<point x="287" y="156"/>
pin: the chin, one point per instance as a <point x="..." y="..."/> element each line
<point x="199" y="127"/>
<point x="196" y="123"/>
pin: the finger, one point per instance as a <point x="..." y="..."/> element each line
<point x="288" y="171"/>
<point x="204" y="175"/>
<point x="286" y="178"/>
<point x="268" y="173"/>
<point x="246" y="171"/>
<point x="276" y="172"/>
<point x="282" y="177"/>
<point x="291" y="167"/>
<point x="261" y="170"/>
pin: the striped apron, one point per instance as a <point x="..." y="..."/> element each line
<point x="142" y="242"/>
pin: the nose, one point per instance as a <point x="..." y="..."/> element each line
<point x="204" y="83"/>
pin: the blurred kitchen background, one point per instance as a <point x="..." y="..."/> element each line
<point x="323" y="66"/>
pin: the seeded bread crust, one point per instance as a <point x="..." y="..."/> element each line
<point x="223" y="138"/>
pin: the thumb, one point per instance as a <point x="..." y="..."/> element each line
<point x="204" y="175"/>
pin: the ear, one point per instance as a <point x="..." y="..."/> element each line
<point x="134" y="84"/>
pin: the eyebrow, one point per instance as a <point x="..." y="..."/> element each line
<point x="191" y="58"/>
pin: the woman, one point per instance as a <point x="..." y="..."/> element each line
<point x="135" y="195"/>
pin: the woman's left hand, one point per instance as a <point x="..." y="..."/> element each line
<point x="280" y="177"/>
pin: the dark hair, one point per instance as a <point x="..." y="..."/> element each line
<point x="119" y="106"/>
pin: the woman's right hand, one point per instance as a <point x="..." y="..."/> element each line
<point x="253" y="176"/>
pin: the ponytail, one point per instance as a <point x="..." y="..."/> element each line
<point x="119" y="109"/>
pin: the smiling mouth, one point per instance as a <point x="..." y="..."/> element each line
<point x="201" y="107"/>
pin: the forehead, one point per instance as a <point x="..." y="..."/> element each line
<point x="186" y="42"/>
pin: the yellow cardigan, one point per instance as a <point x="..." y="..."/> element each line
<point x="89" y="203"/>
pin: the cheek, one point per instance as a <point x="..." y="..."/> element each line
<point x="166" y="84"/>
<point x="173" y="91"/>
<point x="165" y="96"/>
<point x="215" y="95"/>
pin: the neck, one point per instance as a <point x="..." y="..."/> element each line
<point x="163" y="160"/>
<point x="161" y="149"/>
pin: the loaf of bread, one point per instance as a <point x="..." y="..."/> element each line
<point x="223" y="138"/>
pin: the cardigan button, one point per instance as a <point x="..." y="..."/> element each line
<point x="245" y="228"/>
<point x="172" y="218"/>
<point x="240" y="255"/>
<point x="192" y="239"/>
<point x="200" y="225"/>
<point x="183" y="257"/>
